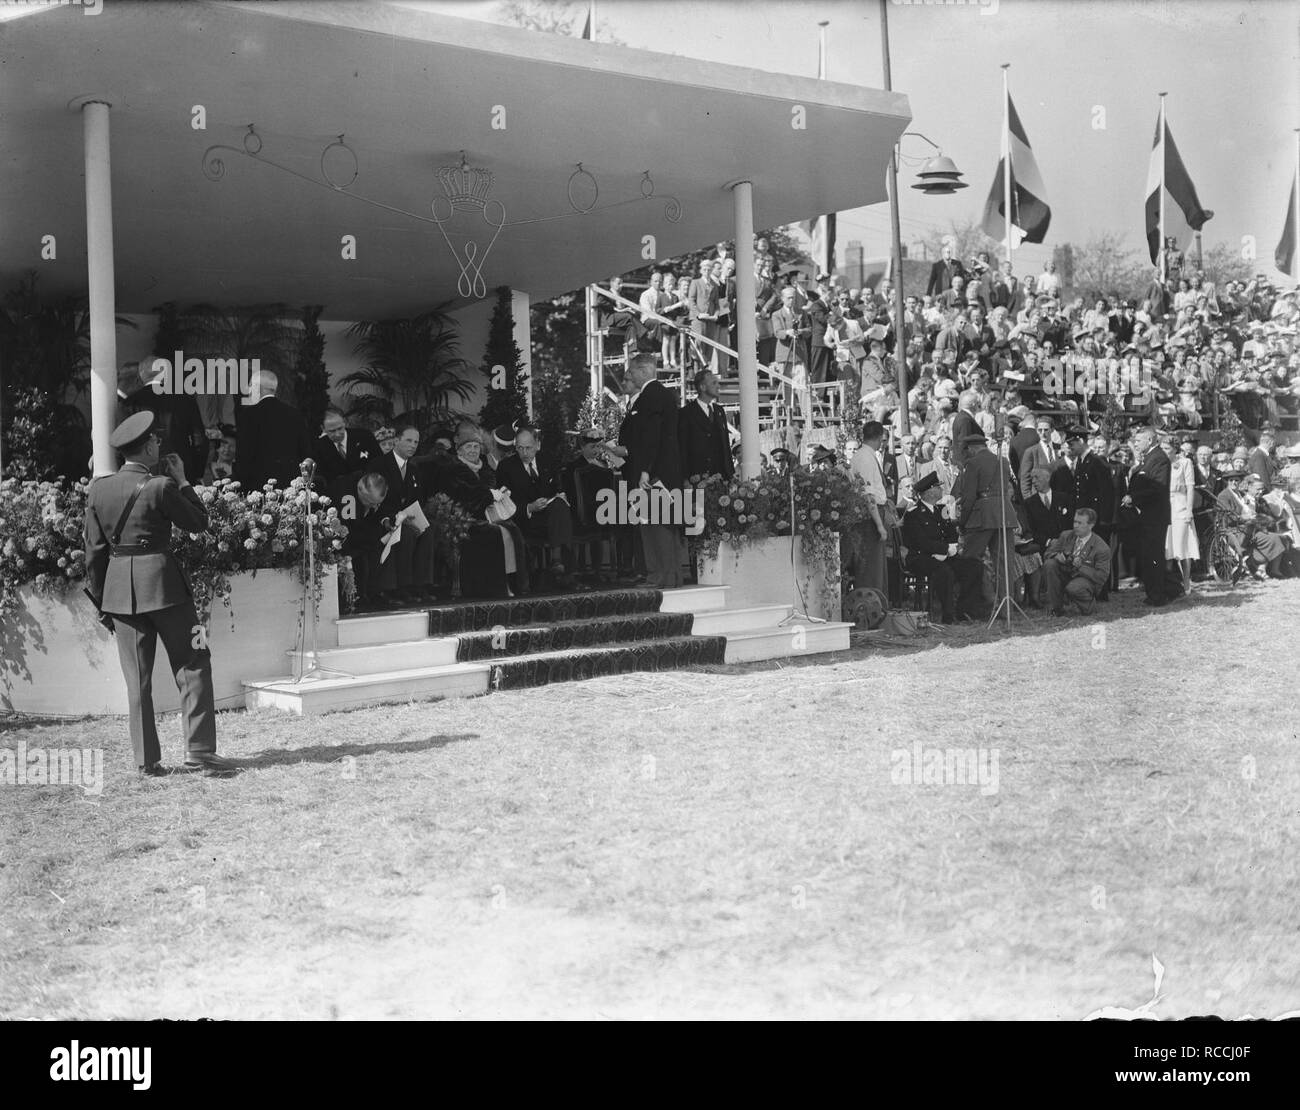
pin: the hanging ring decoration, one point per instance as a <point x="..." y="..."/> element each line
<point x="672" y="206"/>
<point x="595" y="187"/>
<point x="356" y="166"/>
<point x="214" y="166"/>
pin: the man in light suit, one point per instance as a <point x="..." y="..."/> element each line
<point x="137" y="586"/>
<point x="649" y="434"/>
<point x="1077" y="565"/>
<point x="1041" y="456"/>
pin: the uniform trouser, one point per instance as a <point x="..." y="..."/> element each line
<point x="137" y="641"/>
<point x="953" y="579"/>
<point x="663" y="559"/>
<point x="1063" y="583"/>
<point x="991" y="541"/>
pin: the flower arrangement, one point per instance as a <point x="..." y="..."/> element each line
<point x="451" y="523"/>
<point x="43" y="526"/>
<point x="825" y="504"/>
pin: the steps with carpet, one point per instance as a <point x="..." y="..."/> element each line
<point x="468" y="648"/>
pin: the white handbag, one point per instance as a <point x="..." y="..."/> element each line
<point x="502" y="509"/>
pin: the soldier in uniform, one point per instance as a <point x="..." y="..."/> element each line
<point x="137" y="586"/>
<point x="986" y="513"/>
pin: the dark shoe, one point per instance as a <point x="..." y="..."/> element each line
<point x="1154" y="602"/>
<point x="947" y="618"/>
<point x="211" y="764"/>
<point x="155" y="770"/>
<point x="1058" y="612"/>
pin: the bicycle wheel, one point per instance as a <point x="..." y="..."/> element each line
<point x="1223" y="559"/>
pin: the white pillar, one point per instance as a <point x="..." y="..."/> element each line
<point x="519" y="304"/>
<point x="742" y="193"/>
<point x="99" y="269"/>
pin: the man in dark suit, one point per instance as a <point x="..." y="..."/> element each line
<point x="407" y="575"/>
<point x="931" y="544"/>
<point x="818" y="316"/>
<point x="271" y="437"/>
<point x="359" y="498"/>
<point x="1040" y="507"/>
<point x="1123" y="323"/>
<point x="702" y="432"/>
<point x="1025" y="437"/>
<point x="942" y="273"/>
<point x="1085" y="482"/>
<point x="1004" y="291"/>
<point x="649" y="433"/>
<point x="539" y="512"/>
<point x="341" y="450"/>
<point x="178" y="420"/>
<point x="964" y="426"/>
<point x="135" y="582"/>
<point x="1261" y="460"/>
<point x="1148" y="492"/>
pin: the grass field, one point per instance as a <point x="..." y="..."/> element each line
<point x="707" y="843"/>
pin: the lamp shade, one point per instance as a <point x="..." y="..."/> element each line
<point x="939" y="176"/>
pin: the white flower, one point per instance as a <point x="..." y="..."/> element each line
<point x="195" y="535"/>
<point x="207" y="497"/>
<point x="257" y="533"/>
<point x="63" y="562"/>
<point x="41" y="553"/>
<point x="223" y="546"/>
<point x="254" y="498"/>
<point x="30" y="544"/>
<point x="228" y="496"/>
<point x="266" y="518"/>
<point x="250" y="544"/>
<point x="336" y="544"/>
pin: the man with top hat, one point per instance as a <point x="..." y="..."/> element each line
<point x="931" y="543"/>
<point x="136" y="584"/>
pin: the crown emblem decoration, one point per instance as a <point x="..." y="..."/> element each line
<point x="466" y="188"/>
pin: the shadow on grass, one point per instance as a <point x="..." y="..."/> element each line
<point x="332" y="753"/>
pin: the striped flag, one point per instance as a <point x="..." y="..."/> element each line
<point x="1183" y="211"/>
<point x="1284" y="256"/>
<point x="1030" y="214"/>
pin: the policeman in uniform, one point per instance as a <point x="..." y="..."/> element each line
<point x="136" y="584"/>
<point x="931" y="543"/>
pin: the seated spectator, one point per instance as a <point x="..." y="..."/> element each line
<point x="409" y="571"/>
<point x="492" y="562"/>
<point x="1076" y="566"/>
<point x="542" y="509"/>
<point x="931" y="543"/>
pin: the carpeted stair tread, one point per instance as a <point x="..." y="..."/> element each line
<point x="543" y="668"/>
<point x="479" y="616"/>
<point x="568" y="635"/>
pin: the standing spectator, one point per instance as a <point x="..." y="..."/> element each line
<point x="942" y="273"/>
<point x="1049" y="284"/>
<point x="341" y="450"/>
<point x="1181" y="542"/>
<point x="702" y="432"/>
<point x="866" y="464"/>
<point x="271" y="438"/>
<point x="649" y="433"/>
<point x="1260" y="460"/>
<point x="1149" y="494"/>
<point x="986" y="513"/>
<point x="1042" y="454"/>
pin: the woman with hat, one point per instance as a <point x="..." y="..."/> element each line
<point x="493" y="553"/>
<point x="1181" y="543"/>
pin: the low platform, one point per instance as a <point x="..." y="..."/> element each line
<point x="467" y="648"/>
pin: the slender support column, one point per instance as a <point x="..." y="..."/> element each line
<point x="99" y="267"/>
<point x="519" y="308"/>
<point x="742" y="193"/>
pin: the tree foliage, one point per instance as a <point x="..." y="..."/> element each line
<point x="967" y="239"/>
<point x="552" y="18"/>
<point x="507" y="403"/>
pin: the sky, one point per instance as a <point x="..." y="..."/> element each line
<point x="1085" y="77"/>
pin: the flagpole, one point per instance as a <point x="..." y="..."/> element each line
<point x="1006" y="155"/>
<point x="821" y="49"/>
<point x="1164" y="158"/>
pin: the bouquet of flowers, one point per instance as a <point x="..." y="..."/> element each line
<point x="42" y="525"/>
<point x="451" y="523"/>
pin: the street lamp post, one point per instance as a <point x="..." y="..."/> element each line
<point x="938" y="177"/>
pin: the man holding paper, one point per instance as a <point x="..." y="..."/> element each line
<point x="542" y="511"/>
<point x="407" y="557"/>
